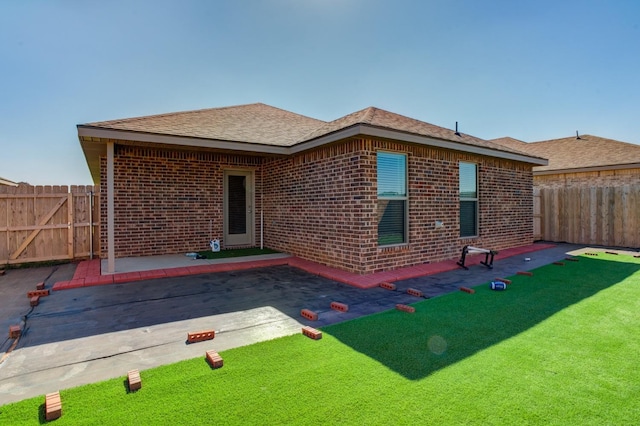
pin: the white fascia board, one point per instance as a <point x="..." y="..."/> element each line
<point x="7" y="182"/>
<point x="180" y="140"/>
<point x="424" y="140"/>
<point x="365" y="130"/>
<point x="359" y="129"/>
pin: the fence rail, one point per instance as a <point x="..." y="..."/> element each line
<point x="608" y="216"/>
<point x="43" y="223"/>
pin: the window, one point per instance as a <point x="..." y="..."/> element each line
<point x="392" y="198"/>
<point x="468" y="200"/>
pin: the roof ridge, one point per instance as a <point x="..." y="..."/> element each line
<point x="369" y="114"/>
<point x="364" y="112"/>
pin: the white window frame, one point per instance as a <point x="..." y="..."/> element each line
<point x="467" y="199"/>
<point x="405" y="198"/>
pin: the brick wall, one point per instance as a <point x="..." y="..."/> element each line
<point x="167" y="201"/>
<point x="321" y="205"/>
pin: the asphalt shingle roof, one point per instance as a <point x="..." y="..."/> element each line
<point x="263" y="124"/>
<point x="380" y="118"/>
<point x="252" y="123"/>
<point x="572" y="153"/>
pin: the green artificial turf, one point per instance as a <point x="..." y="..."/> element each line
<point x="560" y="347"/>
<point x="223" y="254"/>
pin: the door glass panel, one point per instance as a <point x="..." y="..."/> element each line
<point x="237" y="204"/>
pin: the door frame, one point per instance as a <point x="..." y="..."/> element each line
<point x="247" y="239"/>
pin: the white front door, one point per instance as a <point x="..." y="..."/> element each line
<point x="238" y="207"/>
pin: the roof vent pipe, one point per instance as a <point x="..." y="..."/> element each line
<point x="457" y="133"/>
<point x="577" y="135"/>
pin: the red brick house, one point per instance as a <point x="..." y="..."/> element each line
<point x="368" y="192"/>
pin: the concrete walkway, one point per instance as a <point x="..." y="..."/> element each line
<point x="96" y="332"/>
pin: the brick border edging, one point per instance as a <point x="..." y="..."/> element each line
<point x="86" y="276"/>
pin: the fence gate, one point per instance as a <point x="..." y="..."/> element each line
<point x="42" y="223"/>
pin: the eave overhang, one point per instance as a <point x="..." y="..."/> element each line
<point x="93" y="141"/>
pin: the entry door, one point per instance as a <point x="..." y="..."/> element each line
<point x="238" y="207"/>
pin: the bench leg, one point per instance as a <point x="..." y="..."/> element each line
<point x="463" y="257"/>
<point x="488" y="259"/>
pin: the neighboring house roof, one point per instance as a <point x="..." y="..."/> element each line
<point x="588" y="153"/>
<point x="263" y="129"/>
<point x="7" y="182"/>
<point x="512" y="143"/>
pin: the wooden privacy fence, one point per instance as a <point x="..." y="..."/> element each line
<point x="42" y="223"/>
<point x="608" y="216"/>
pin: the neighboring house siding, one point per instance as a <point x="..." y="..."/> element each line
<point x="322" y="205"/>
<point x="603" y="178"/>
<point x="166" y="201"/>
<point x="596" y="208"/>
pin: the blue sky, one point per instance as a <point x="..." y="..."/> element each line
<point x="533" y="70"/>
